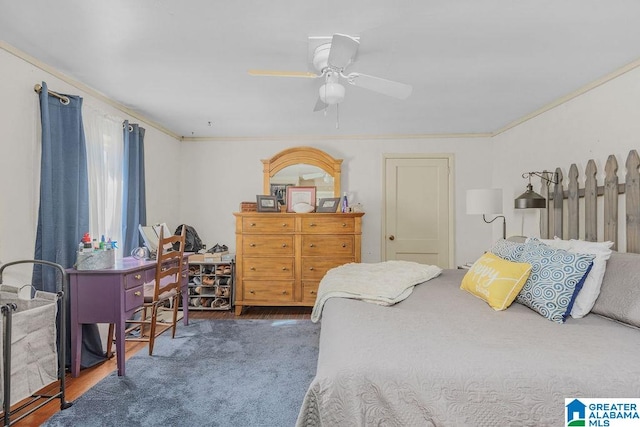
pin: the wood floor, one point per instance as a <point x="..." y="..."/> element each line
<point x="75" y="387"/>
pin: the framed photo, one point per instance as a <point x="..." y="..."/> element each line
<point x="328" y="205"/>
<point x="267" y="204"/>
<point x="280" y="191"/>
<point x="300" y="195"/>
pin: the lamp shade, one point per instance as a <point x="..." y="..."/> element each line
<point x="484" y="201"/>
<point x="530" y="199"/>
<point x="331" y="93"/>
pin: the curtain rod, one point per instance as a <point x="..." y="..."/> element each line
<point x="63" y="99"/>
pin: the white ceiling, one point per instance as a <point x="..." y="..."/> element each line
<point x="475" y="65"/>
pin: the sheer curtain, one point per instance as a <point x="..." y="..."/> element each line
<point x="105" y="159"/>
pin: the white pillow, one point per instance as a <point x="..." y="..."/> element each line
<point x="557" y="243"/>
<point x="591" y="287"/>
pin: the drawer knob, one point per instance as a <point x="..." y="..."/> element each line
<point x="284" y="292"/>
<point x="344" y="245"/>
<point x="312" y="245"/>
<point x="284" y="245"/>
<point x="137" y="293"/>
<point x="313" y="224"/>
<point x="253" y="245"/>
<point x="344" y="224"/>
<point x="252" y="291"/>
<point x="138" y="276"/>
<point x="284" y="224"/>
<point x="253" y="224"/>
<point x="284" y="268"/>
<point x="252" y="268"/>
<point x="311" y="268"/>
<point x="312" y="292"/>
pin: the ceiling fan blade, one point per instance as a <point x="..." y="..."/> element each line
<point x="383" y="86"/>
<point x="343" y="50"/>
<point x="319" y="105"/>
<point x="276" y="73"/>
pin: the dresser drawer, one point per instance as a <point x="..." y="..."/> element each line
<point x="137" y="278"/>
<point x="328" y="224"/>
<point x="323" y="245"/>
<point x="272" y="290"/>
<point x="264" y="224"/>
<point x="267" y="267"/>
<point x="309" y="291"/>
<point x="267" y="245"/>
<point x="133" y="298"/>
<point x="315" y="268"/>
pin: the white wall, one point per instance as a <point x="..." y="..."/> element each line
<point x="20" y="159"/>
<point x="216" y="176"/>
<point x="220" y="175"/>
<point x="603" y="121"/>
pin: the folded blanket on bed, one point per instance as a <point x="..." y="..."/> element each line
<point x="384" y="283"/>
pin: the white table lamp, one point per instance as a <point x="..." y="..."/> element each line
<point x="486" y="201"/>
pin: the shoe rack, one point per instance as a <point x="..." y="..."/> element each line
<point x="211" y="285"/>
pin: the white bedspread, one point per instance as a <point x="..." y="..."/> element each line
<point x="383" y="283"/>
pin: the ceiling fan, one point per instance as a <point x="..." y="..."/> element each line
<point x="330" y="59"/>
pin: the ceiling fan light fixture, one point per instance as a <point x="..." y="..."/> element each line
<point x="331" y="93"/>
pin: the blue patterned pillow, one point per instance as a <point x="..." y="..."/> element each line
<point x="555" y="280"/>
<point x="511" y="251"/>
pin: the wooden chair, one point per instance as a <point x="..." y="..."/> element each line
<point x="146" y="325"/>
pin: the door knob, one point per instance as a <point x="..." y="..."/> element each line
<point x="392" y="237"/>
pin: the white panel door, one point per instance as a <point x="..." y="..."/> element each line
<point x="418" y="223"/>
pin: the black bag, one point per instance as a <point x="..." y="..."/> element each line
<point x="192" y="242"/>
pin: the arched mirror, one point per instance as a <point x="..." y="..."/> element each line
<point x="302" y="167"/>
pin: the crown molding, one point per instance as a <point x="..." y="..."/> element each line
<point x="335" y="137"/>
<point x="96" y="94"/>
<point x="570" y="96"/>
<point x="84" y="88"/>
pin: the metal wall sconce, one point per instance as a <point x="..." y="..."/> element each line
<point x="530" y="199"/>
<point x="486" y="201"/>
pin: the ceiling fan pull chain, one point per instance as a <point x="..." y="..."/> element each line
<point x="337" y="116"/>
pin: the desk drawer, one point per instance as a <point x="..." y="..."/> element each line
<point x="137" y="278"/>
<point x="323" y="245"/>
<point x="328" y="225"/>
<point x="267" y="245"/>
<point x="264" y="224"/>
<point x="268" y="268"/>
<point x="310" y="291"/>
<point x="273" y="290"/>
<point x="315" y="268"/>
<point x="133" y="298"/>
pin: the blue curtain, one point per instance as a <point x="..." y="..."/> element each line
<point x="63" y="215"/>
<point x="134" y="206"/>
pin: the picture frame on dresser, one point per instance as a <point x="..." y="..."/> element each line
<point x="267" y="203"/>
<point x="280" y="191"/>
<point x="297" y="195"/>
<point x="328" y="205"/>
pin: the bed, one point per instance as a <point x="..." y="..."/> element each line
<point x="444" y="357"/>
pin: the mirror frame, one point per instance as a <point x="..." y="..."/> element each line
<point x="307" y="155"/>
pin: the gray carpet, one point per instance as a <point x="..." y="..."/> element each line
<point x="214" y="373"/>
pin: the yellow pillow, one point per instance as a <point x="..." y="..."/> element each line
<point x="496" y="280"/>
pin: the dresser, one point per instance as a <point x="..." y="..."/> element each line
<point x="281" y="257"/>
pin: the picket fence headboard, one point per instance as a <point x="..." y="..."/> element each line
<point x="554" y="220"/>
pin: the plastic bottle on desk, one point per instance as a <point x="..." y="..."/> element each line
<point x="345" y="203"/>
